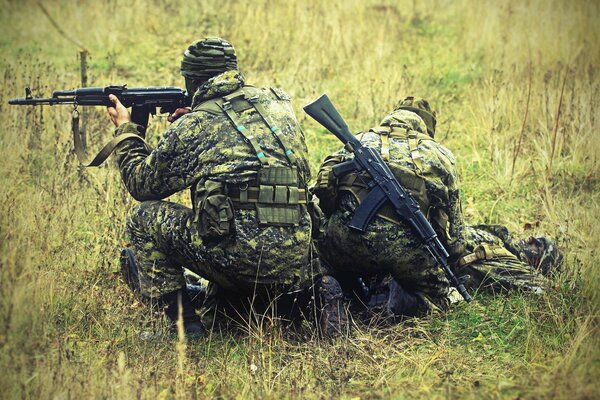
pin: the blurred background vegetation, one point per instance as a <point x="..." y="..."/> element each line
<point x="517" y="88"/>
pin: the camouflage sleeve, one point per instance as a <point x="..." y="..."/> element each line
<point x="157" y="174"/>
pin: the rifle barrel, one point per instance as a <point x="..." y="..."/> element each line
<point x="23" y="101"/>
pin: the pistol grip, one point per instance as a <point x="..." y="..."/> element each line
<point x="344" y="168"/>
<point x="140" y="116"/>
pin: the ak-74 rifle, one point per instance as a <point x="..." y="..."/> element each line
<point x="384" y="187"/>
<point x="143" y="102"/>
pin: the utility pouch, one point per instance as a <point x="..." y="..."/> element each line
<point x="326" y="189"/>
<point x="279" y="197"/>
<point x="213" y="210"/>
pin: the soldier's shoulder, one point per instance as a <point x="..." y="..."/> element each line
<point x="447" y="154"/>
<point x="274" y="93"/>
<point x="280" y="93"/>
<point x="190" y="124"/>
<point x="442" y="152"/>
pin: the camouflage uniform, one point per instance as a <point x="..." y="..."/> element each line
<point x="495" y="262"/>
<point x="390" y="246"/>
<point x="203" y="151"/>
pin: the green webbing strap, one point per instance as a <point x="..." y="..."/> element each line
<point x="251" y="139"/>
<point x="106" y="150"/>
<point x="283" y="142"/>
<point x="413" y="138"/>
<point x="384" y="133"/>
<point x="413" y="144"/>
<point x="485" y="251"/>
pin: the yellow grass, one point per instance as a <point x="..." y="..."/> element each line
<point x="69" y="328"/>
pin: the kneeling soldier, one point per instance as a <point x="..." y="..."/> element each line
<point x="405" y="139"/>
<point x="241" y="152"/>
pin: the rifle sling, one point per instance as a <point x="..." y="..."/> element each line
<point x="105" y="152"/>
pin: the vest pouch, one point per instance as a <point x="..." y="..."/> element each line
<point x="278" y="176"/>
<point x="213" y="211"/>
<point x="278" y="215"/>
<point x="278" y="199"/>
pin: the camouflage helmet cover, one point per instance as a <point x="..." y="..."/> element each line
<point x="541" y="253"/>
<point x="422" y="109"/>
<point x="208" y="57"/>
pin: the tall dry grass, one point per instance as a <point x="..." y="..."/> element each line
<point x="517" y="88"/>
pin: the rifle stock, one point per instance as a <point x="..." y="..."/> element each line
<point x="325" y="113"/>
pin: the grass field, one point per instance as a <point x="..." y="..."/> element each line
<point x="517" y="89"/>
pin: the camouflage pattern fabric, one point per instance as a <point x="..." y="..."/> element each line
<point x="504" y="273"/>
<point x="422" y="109"/>
<point x="200" y="146"/>
<point x="393" y="248"/>
<point x="208" y="57"/>
<point x="386" y="246"/>
<point x="164" y="239"/>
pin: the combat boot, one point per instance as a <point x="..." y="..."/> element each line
<point x="389" y="301"/>
<point x="402" y="303"/>
<point x="333" y="316"/>
<point x="192" y="324"/>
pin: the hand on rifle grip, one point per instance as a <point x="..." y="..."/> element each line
<point x="118" y="113"/>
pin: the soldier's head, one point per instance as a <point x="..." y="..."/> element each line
<point x="405" y="119"/>
<point x="541" y="253"/>
<point x="422" y="109"/>
<point x="206" y="58"/>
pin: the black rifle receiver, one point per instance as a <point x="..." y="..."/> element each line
<point x="384" y="186"/>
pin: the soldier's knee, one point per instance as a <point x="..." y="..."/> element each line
<point x="142" y="213"/>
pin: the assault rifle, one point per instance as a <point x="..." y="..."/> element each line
<point x="384" y="186"/>
<point x="143" y="102"/>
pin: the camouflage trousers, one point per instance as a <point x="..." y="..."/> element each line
<point x="388" y="248"/>
<point x="251" y="259"/>
<point x="384" y="248"/>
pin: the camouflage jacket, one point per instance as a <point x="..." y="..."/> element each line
<point x="436" y="167"/>
<point x="206" y="145"/>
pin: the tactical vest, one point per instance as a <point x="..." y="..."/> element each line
<point x="357" y="183"/>
<point x="412" y="179"/>
<point x="277" y="193"/>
